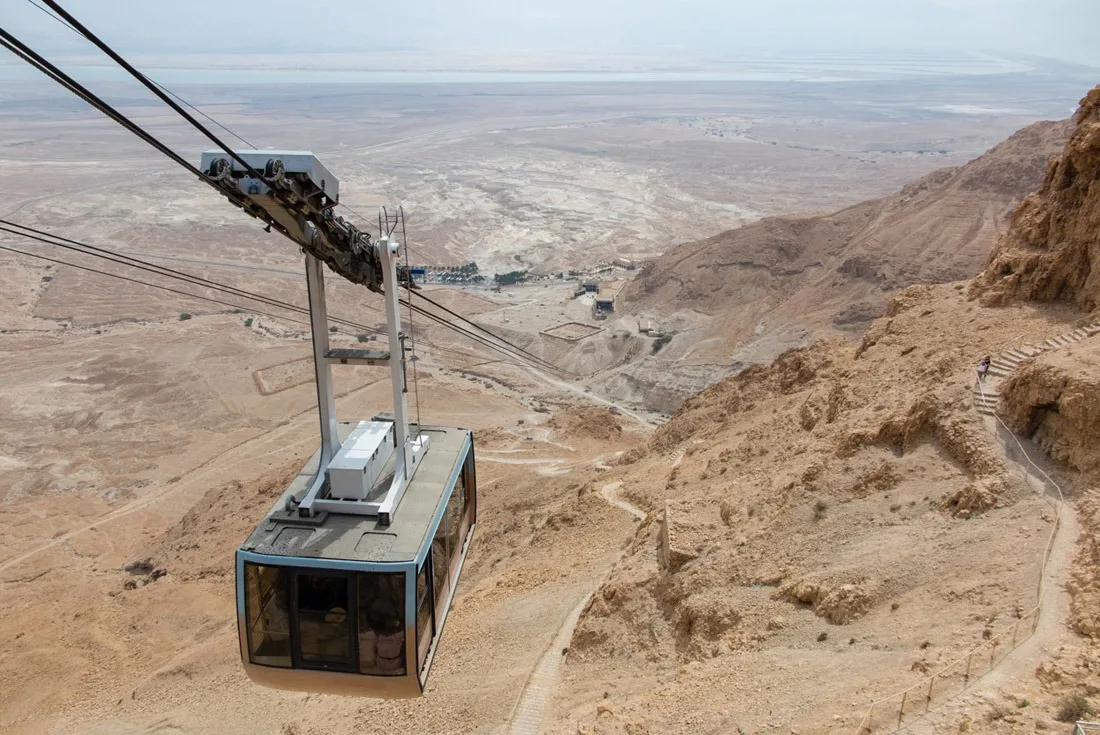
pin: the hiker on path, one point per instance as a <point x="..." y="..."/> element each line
<point x="983" y="367"/>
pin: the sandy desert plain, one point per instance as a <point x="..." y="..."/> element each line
<point x="128" y="433"/>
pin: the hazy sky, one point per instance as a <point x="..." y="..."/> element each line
<point x="688" y="29"/>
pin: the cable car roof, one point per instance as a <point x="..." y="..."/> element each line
<point x="359" y="538"/>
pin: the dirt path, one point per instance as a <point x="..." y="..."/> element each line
<point x="579" y="390"/>
<point x="1051" y="633"/>
<point x="538" y="692"/>
<point x="608" y="493"/>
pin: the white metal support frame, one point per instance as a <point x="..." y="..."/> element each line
<point x="297" y="194"/>
<point x="318" y="325"/>
<point x="326" y="406"/>
<point x="410" y="449"/>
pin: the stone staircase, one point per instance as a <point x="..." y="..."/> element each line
<point x="987" y="394"/>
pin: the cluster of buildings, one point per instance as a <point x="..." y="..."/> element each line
<point x="607" y="292"/>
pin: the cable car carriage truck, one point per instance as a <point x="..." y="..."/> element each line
<point x="345" y="585"/>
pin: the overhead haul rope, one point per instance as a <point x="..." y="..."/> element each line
<point x="39" y="62"/>
<point x="108" y="255"/>
<point x="187" y="294"/>
<point x="252" y="172"/>
<point x="226" y="128"/>
<point x="210" y="118"/>
<point x="517" y="348"/>
<point x="59" y="76"/>
<point x="143" y="265"/>
<point x="148" y="84"/>
<point x="144" y="283"/>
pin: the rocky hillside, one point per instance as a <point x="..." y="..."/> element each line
<point x="746" y="295"/>
<point x="938" y="228"/>
<point x="831" y="527"/>
<point x="840" y="510"/>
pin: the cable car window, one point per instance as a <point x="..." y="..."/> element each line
<point x="439" y="562"/>
<point x="469" y="479"/>
<point x="423" y="616"/>
<point x="382" y="623"/>
<point x="267" y="615"/>
<point x="324" y="625"/>
<point x="460" y="485"/>
<point x="456" y="506"/>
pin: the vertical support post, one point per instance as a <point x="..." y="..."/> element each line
<point x="326" y="405"/>
<point x="928" y="702"/>
<point x="409" y="452"/>
<point x="318" y="325"/>
<point x="901" y="709"/>
<point x="388" y="251"/>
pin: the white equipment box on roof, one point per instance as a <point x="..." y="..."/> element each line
<point x="358" y="465"/>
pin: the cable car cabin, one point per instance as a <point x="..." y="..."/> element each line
<point x="341" y="603"/>
<point x="345" y="585"/>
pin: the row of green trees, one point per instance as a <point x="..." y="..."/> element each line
<point x="510" y="278"/>
<point x="466" y="269"/>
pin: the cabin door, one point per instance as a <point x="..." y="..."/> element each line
<point x="326" y="627"/>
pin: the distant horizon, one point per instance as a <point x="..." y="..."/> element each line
<point x="414" y="67"/>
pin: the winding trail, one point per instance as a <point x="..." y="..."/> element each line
<point x="1018" y="666"/>
<point x="608" y="493"/>
<point x="1050" y="632"/>
<point x="579" y="390"/>
<point x="538" y="692"/>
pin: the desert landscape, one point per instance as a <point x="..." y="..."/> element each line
<point x="763" y="494"/>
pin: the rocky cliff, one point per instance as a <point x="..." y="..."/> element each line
<point x="1052" y="251"/>
<point x="1055" y="400"/>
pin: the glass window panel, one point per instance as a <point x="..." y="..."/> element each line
<point x="421" y="585"/>
<point x="382" y="623"/>
<point x="423" y="616"/>
<point x="439" y="561"/>
<point x="469" y="482"/>
<point x="324" y="625"/>
<point x="455" y="526"/>
<point x="267" y="615"/>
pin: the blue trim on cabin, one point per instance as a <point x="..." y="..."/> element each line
<point x="345" y="565"/>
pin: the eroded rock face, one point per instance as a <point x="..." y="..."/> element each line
<point x="839" y="603"/>
<point x="1052" y="250"/>
<point x="1055" y="400"/>
<point x="1084" y="585"/>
